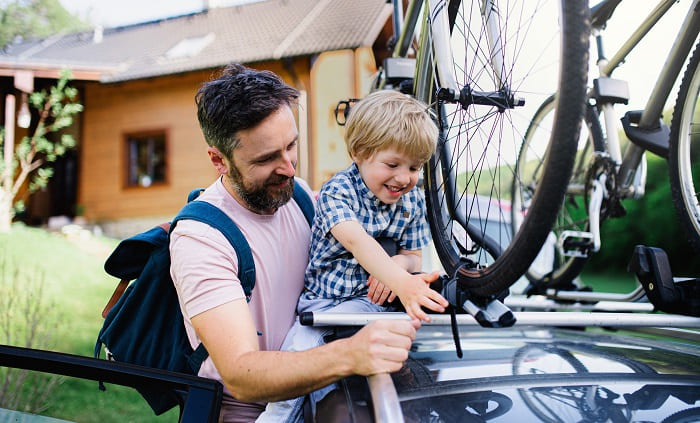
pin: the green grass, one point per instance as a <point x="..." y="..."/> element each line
<point x="75" y="288"/>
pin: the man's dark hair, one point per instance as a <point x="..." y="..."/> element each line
<point x="240" y="98"/>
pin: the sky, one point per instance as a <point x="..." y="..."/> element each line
<point x="111" y="13"/>
<point x="640" y="70"/>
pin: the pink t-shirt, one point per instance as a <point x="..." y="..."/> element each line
<point x="204" y="269"/>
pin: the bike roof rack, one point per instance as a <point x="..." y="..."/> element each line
<point x="523" y="318"/>
<point x="540" y="302"/>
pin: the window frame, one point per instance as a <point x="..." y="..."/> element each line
<point x="142" y="136"/>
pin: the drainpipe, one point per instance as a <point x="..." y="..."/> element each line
<point x="8" y="151"/>
<point x="304" y="166"/>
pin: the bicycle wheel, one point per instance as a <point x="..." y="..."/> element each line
<point x="551" y="404"/>
<point x="537" y="51"/>
<point x="684" y="154"/>
<point x="557" y="267"/>
<point x="572" y="403"/>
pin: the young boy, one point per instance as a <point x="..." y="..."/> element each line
<point x="389" y="136"/>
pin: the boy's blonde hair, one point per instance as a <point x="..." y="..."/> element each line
<point x="389" y="119"/>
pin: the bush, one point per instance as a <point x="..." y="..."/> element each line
<point x="27" y="320"/>
<point x="66" y="271"/>
<point x="650" y="221"/>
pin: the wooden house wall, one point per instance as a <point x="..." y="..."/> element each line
<point x="166" y="103"/>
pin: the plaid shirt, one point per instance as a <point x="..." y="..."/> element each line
<point x="333" y="272"/>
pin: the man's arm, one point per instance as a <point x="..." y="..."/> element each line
<point x="413" y="290"/>
<point x="254" y="375"/>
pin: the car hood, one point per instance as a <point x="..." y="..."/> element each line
<point x="551" y="375"/>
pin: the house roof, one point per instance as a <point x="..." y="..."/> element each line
<point x="253" y="32"/>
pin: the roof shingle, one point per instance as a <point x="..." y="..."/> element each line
<point x="253" y="32"/>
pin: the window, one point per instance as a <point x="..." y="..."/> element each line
<point x="189" y="47"/>
<point x="146" y="159"/>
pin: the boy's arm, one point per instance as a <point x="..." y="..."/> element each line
<point x="413" y="290"/>
<point x="410" y="260"/>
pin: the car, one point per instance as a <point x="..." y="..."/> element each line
<point x="199" y="398"/>
<point x="548" y="367"/>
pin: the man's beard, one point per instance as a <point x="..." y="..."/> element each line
<point x="259" y="198"/>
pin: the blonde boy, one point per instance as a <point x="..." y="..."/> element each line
<point x="389" y="136"/>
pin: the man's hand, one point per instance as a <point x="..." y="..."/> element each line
<point x="381" y="347"/>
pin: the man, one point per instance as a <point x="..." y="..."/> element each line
<point x="247" y="120"/>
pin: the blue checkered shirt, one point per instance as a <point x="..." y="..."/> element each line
<point x="333" y="272"/>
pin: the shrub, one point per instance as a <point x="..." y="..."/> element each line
<point x="26" y="320"/>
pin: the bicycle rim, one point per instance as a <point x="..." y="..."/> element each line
<point x="556" y="267"/>
<point x="684" y="155"/>
<point x="468" y="181"/>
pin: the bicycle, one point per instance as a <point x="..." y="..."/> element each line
<point x="602" y="176"/>
<point x="480" y="66"/>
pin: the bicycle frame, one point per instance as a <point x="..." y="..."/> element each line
<point x="630" y="167"/>
<point x="649" y="119"/>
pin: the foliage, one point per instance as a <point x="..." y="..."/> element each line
<point x="650" y="221"/>
<point x="45" y="144"/>
<point x="31" y="19"/>
<point x="27" y="319"/>
<point x="76" y="283"/>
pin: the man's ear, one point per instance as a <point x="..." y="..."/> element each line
<point x="218" y="160"/>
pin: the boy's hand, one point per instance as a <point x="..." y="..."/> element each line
<point x="415" y="292"/>
<point x="378" y="292"/>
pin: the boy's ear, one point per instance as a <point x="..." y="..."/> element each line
<point x="218" y="160"/>
<point x="357" y="159"/>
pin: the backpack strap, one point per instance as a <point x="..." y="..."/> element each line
<point x="211" y="215"/>
<point x="304" y="202"/>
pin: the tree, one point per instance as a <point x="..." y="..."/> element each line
<point x="29" y="19"/>
<point x="28" y="163"/>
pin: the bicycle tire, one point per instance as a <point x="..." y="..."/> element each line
<point x="557" y="270"/>
<point x="684" y="153"/>
<point x="463" y="245"/>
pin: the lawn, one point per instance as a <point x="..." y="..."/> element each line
<point x="68" y="287"/>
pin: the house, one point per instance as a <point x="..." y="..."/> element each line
<point x="140" y="149"/>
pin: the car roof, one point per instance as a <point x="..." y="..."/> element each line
<point x="538" y="373"/>
<point x="532" y="372"/>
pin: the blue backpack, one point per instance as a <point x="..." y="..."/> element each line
<point x="143" y="322"/>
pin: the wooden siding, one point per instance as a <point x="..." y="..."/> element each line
<point x="336" y="75"/>
<point x="167" y="104"/>
<point x="114" y="110"/>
